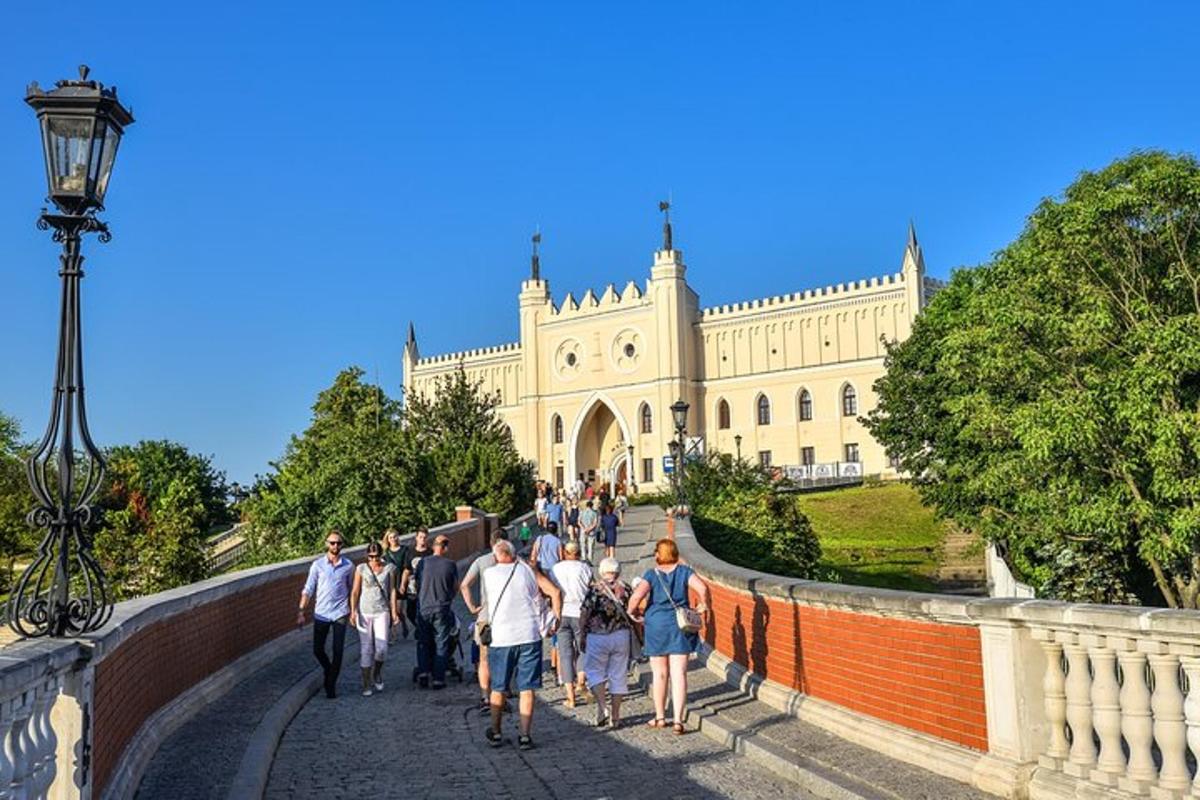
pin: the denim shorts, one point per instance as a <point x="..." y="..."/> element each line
<point x="520" y="661"/>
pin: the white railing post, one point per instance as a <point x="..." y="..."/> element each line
<point x="1082" y="757"/>
<point x="1137" y="722"/>
<point x="1054" y="700"/>
<point x="1170" y="732"/>
<point x="1191" y="712"/>
<point x="1106" y="710"/>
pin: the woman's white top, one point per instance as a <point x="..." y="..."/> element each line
<point x="574" y="577"/>
<point x="514" y="619"/>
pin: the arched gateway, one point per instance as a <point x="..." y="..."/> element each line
<point x="599" y="444"/>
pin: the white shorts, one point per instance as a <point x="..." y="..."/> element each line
<point x="607" y="659"/>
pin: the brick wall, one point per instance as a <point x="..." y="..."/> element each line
<point x="925" y="676"/>
<point x="139" y="672"/>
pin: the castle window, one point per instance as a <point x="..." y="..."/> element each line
<point x="805" y="405"/>
<point x="849" y="401"/>
<point x="570" y="359"/>
<point x="723" y="415"/>
<point x="852" y="452"/>
<point x="630" y="350"/>
<point x="764" y="410"/>
<point x="647" y="419"/>
<point x="557" y="426"/>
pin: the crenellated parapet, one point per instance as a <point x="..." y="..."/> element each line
<point x="808" y="299"/>
<point x="479" y="354"/>
<point x="609" y="300"/>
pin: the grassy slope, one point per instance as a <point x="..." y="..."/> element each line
<point x="877" y="536"/>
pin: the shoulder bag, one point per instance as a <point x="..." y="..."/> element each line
<point x="387" y="601"/>
<point x="485" y="630"/>
<point x="633" y="626"/>
<point x="687" y="618"/>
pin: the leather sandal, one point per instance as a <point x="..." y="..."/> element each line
<point x="658" y="722"/>
<point x="678" y="728"/>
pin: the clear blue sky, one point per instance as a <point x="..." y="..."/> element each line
<point x="305" y="178"/>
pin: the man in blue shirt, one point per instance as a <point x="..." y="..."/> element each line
<point x="329" y="580"/>
<point x="554" y="511"/>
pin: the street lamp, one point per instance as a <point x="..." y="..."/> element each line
<point x="737" y="441"/>
<point x="63" y="592"/>
<point x="679" y="412"/>
<point x="632" y="476"/>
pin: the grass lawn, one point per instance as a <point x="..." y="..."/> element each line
<point x="877" y="536"/>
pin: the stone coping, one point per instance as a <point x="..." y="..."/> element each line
<point x="1120" y="621"/>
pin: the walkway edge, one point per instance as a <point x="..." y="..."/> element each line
<point x="810" y="775"/>
<point x="250" y="780"/>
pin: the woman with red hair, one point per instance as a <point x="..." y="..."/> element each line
<point x="667" y="644"/>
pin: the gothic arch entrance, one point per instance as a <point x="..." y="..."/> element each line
<point x="599" y="442"/>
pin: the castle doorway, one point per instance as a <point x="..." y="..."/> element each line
<point x="599" y="450"/>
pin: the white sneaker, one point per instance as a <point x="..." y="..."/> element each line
<point x="379" y="686"/>
<point x="366" y="692"/>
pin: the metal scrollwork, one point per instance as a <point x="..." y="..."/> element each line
<point x="64" y="592"/>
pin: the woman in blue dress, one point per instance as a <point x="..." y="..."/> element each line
<point x="665" y="588"/>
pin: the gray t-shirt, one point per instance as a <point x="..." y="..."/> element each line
<point x="478" y="588"/>
<point x="376" y="589"/>
<point x="548" y="551"/>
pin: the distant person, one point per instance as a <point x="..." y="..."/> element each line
<point x="474" y="594"/>
<point x="580" y="486"/>
<point x="573" y="521"/>
<point x="554" y="512"/>
<point x="573" y="577"/>
<point x="393" y="553"/>
<point x="620" y="505"/>
<point x="328" y="584"/>
<point x="589" y="526"/>
<point x="666" y="589"/>
<point x="514" y="593"/>
<point x="411" y="559"/>
<point x="437" y="577"/>
<point x="374" y="609"/>
<point x="607" y="630"/>
<point x="539" y="508"/>
<point x="525" y="535"/>
<point x="547" y="549"/>
<point x="609" y="522"/>
<point x="589" y="493"/>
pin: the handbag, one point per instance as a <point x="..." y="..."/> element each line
<point x="387" y="601"/>
<point x="687" y="618"/>
<point x="485" y="628"/>
<point x="633" y="626"/>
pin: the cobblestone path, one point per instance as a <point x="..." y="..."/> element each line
<point x="407" y="742"/>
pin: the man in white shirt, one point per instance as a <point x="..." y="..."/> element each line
<point x="514" y="602"/>
<point x="573" y="578"/>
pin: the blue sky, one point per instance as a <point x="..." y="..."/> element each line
<point x="305" y="178"/>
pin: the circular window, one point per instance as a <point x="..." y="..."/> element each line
<point x="630" y="350"/>
<point x="570" y="359"/>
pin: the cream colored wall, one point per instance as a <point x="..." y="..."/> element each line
<point x="820" y="339"/>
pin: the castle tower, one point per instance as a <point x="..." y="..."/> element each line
<point x="411" y="357"/>
<point x="534" y="308"/>
<point x="913" y="269"/>
<point x="675" y="309"/>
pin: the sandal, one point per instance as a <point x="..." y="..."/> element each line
<point x="678" y="728"/>
<point x="658" y="722"/>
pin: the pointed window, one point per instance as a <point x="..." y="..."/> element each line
<point x="647" y="419"/>
<point x="805" y="405"/>
<point x="723" y="415"/>
<point x="764" y="410"/>
<point x="849" y="401"/>
<point x="557" y="426"/>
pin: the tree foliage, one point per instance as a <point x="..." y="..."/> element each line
<point x="1050" y="399"/>
<point x="739" y="514"/>
<point x="15" y="498"/>
<point x="366" y="462"/>
<point x="159" y="503"/>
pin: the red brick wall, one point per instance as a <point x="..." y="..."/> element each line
<point x="925" y="676"/>
<point x="162" y="660"/>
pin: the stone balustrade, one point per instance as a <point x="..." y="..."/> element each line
<point x="1019" y="697"/>
<point x="81" y="718"/>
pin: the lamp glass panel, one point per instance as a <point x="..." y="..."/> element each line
<point x="679" y="412"/>
<point x="69" y="140"/>
<point x="112" y="138"/>
<point x="94" y="156"/>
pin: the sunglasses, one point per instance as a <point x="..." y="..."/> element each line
<point x="334" y="544"/>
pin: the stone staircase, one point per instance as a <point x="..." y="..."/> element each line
<point x="961" y="568"/>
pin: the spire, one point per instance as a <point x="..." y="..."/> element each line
<point x="412" y="335"/>
<point x="665" y="207"/>
<point x="913" y="258"/>
<point x="535" y="263"/>
<point x="912" y="236"/>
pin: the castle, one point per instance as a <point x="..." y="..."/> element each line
<point x="588" y="387"/>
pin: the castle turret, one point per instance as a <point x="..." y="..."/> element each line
<point x="535" y="306"/>
<point x="912" y="267"/>
<point x="676" y="309"/>
<point x="411" y="357"/>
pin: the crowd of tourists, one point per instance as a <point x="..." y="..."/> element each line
<point x="519" y="595"/>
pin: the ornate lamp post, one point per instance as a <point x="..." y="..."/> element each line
<point x="679" y="412"/>
<point x="632" y="475"/>
<point x="63" y="592"/>
<point x="737" y="441"/>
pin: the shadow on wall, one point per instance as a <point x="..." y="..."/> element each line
<point x="751" y="649"/>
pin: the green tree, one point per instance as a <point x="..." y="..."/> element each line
<point x="468" y="451"/>
<point x="16" y="500"/>
<point x="352" y="469"/>
<point x="1051" y="398"/>
<point x="159" y="504"/>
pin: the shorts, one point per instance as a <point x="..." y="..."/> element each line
<point x="520" y="661"/>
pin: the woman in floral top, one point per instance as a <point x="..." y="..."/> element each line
<point x="606" y="630"/>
